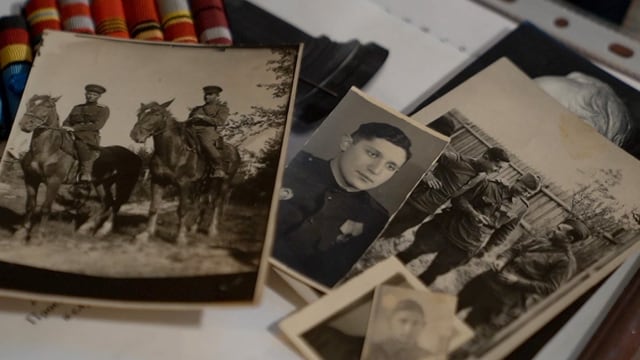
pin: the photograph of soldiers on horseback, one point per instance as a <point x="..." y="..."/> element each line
<point x="134" y="188"/>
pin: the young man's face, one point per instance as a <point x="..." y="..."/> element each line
<point x="406" y="326"/>
<point x="560" y="233"/>
<point x="208" y="98"/>
<point x="91" y="96"/>
<point x="490" y="166"/>
<point x="366" y="164"/>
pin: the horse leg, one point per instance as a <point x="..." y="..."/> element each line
<point x="218" y="205"/>
<point x="183" y="212"/>
<point x="156" y="198"/>
<point x="95" y="220"/>
<point x="53" y="185"/>
<point x="111" y="209"/>
<point x="32" y="186"/>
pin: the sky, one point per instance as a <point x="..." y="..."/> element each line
<point x="141" y="72"/>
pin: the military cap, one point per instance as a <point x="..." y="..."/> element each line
<point x="212" y="89"/>
<point x="531" y="181"/>
<point x="95" y="88"/>
<point x="580" y="230"/>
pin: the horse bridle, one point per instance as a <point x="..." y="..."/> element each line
<point x="41" y="119"/>
<point x="161" y="130"/>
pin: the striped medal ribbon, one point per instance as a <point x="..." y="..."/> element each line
<point x="177" y="22"/>
<point x="142" y="19"/>
<point x="109" y="19"/>
<point x="15" y="61"/>
<point x="41" y="15"/>
<point x="211" y="22"/>
<point x="76" y="16"/>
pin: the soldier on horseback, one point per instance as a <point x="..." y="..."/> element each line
<point x="205" y="120"/>
<point x="86" y="120"/>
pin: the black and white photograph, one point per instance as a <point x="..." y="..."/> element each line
<point x="339" y="191"/>
<point x="519" y="240"/>
<point x="409" y="324"/>
<point x="335" y="326"/>
<point x="145" y="172"/>
<point x="608" y="104"/>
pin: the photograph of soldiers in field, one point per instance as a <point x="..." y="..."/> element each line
<point x="338" y="192"/>
<point x="167" y="169"/>
<point x="523" y="238"/>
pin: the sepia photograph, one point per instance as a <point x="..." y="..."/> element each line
<point x="151" y="182"/>
<point x="334" y="327"/>
<point x="600" y="99"/>
<point x="339" y="191"/>
<point x="409" y="324"/>
<point x="522" y="214"/>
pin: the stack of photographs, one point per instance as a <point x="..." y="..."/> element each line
<point x="527" y="207"/>
<point x="385" y="311"/>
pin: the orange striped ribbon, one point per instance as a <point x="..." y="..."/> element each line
<point x="177" y="23"/>
<point x="142" y="19"/>
<point x="76" y="16"/>
<point x="109" y="18"/>
<point x="41" y="15"/>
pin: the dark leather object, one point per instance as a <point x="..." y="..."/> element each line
<point x="618" y="337"/>
<point x="328" y="68"/>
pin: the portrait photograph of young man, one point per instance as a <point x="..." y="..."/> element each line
<point x="340" y="190"/>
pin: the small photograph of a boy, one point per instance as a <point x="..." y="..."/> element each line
<point x="409" y="324"/>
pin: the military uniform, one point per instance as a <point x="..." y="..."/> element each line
<point x="540" y="267"/>
<point x="323" y="229"/>
<point x="205" y="120"/>
<point x="87" y="120"/>
<point x="391" y="349"/>
<point x="454" y="171"/>
<point x="456" y="236"/>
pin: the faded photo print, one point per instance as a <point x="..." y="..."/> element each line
<point x="335" y="326"/>
<point x="409" y="324"/>
<point x="338" y="192"/>
<point x="124" y="174"/>
<point x="526" y="208"/>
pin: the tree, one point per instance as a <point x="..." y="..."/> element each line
<point x="258" y="186"/>
<point x="598" y="208"/>
<point x="263" y="118"/>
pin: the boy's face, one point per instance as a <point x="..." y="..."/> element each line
<point x="406" y="326"/>
<point x="365" y="164"/>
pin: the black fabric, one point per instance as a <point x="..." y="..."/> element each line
<point x="328" y="68"/>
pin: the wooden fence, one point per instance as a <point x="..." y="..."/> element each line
<point x="549" y="206"/>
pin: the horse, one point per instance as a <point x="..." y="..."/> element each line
<point x="177" y="161"/>
<point x="50" y="160"/>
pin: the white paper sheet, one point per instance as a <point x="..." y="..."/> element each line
<point x="463" y="24"/>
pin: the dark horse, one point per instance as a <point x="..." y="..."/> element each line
<point x="50" y="161"/>
<point x="176" y="161"/>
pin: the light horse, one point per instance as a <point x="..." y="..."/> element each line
<point x="50" y="161"/>
<point x="176" y="161"/>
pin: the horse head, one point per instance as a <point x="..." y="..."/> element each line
<point x="41" y="111"/>
<point x="152" y="120"/>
